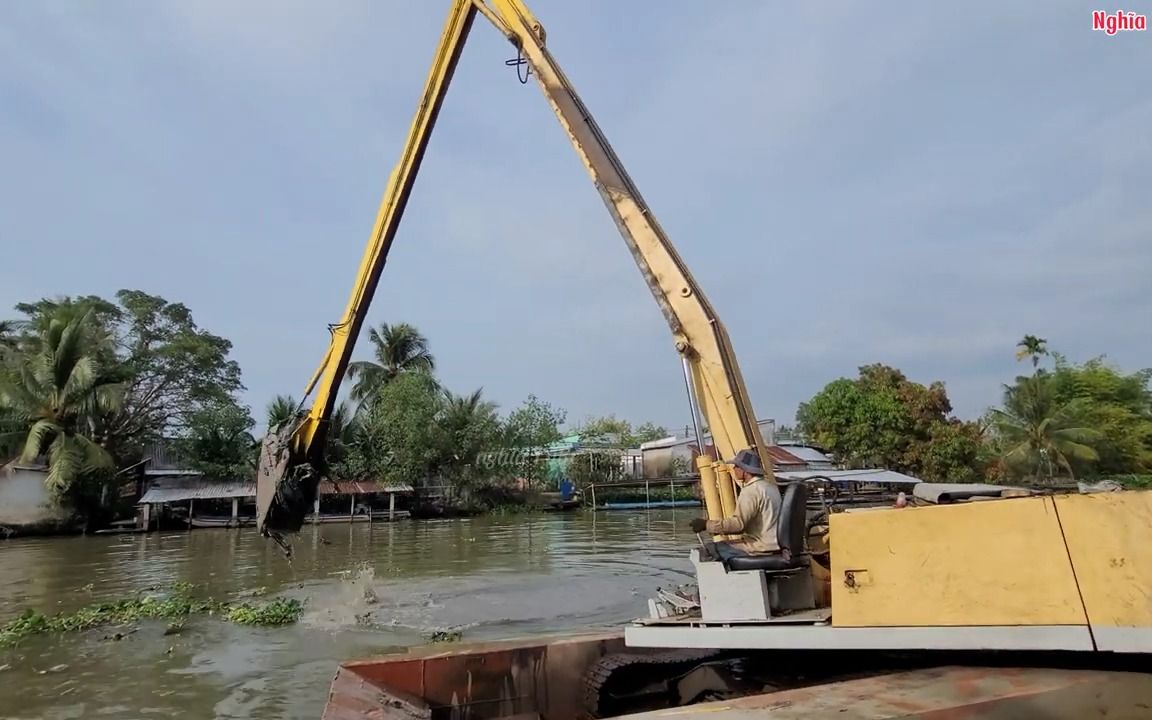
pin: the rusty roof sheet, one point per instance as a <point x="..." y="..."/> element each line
<point x="190" y="487"/>
<point x="363" y="487"/>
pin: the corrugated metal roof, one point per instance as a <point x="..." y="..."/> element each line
<point x="780" y="456"/>
<point x="871" y="476"/>
<point x="806" y="453"/>
<point x="360" y="488"/>
<point x="187" y="487"/>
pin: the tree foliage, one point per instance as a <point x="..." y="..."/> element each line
<point x="595" y="466"/>
<point x="54" y="393"/>
<point x="1117" y="405"/>
<point x="86" y="383"/>
<point x="1073" y="420"/>
<point x="1038" y="435"/>
<point x="397" y="441"/>
<point x="396" y="349"/>
<point x="530" y="428"/>
<point x="609" y="426"/>
<point x="882" y="419"/>
<point x="173" y="369"/>
<point x="219" y="442"/>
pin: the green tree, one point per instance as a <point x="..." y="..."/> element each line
<point x="525" y="431"/>
<point x="1039" y="436"/>
<point x="343" y="426"/>
<point x="53" y="393"/>
<point x="595" y="466"/>
<point x="398" y="439"/>
<point x="882" y="419"/>
<point x="173" y="369"/>
<point x="1033" y="347"/>
<point x="9" y="339"/>
<point x="1117" y="405"/>
<point x="648" y="432"/>
<point x="610" y="426"/>
<point x="468" y="426"/>
<point x="219" y="442"/>
<point x="281" y="410"/>
<point x="396" y="349"/>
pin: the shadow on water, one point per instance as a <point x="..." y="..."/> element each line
<point x="369" y="589"/>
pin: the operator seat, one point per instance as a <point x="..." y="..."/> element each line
<point x="789" y="535"/>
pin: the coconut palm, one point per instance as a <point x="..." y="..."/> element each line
<point x="468" y="425"/>
<point x="342" y="427"/>
<point x="1039" y="434"/>
<point x="56" y="393"/>
<point x="1033" y="347"/>
<point x="280" y="411"/>
<point x="397" y="348"/>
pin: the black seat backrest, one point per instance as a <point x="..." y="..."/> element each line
<point x="793" y="517"/>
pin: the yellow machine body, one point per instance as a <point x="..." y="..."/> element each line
<point x="1062" y="560"/>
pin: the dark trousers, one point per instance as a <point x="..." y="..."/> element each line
<point x="725" y="551"/>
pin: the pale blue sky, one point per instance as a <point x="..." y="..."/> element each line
<point x="852" y="182"/>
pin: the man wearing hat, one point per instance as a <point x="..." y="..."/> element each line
<point x="757" y="511"/>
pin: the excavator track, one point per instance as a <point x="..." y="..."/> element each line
<point x="615" y="684"/>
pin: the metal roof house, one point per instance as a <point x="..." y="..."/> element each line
<point x="190" y="488"/>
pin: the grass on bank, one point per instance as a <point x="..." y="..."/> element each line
<point x="177" y="605"/>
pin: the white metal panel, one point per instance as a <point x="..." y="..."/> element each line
<point x="826" y="637"/>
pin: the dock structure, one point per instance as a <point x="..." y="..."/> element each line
<point x="178" y="490"/>
<point x="648" y="484"/>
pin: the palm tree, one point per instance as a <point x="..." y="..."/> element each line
<point x="468" y="425"/>
<point x="397" y="348"/>
<point x="342" y="427"/>
<point x="1039" y="435"/>
<point x="56" y="393"/>
<point x="1031" y="346"/>
<point x="7" y="334"/>
<point x="280" y="411"/>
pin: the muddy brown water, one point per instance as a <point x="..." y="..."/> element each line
<point x="368" y="589"/>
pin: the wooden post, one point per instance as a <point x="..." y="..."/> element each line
<point x="147" y="516"/>
<point x="190" y="501"/>
<point x="316" y="510"/>
<point x="391" y="506"/>
<point x="352" y="507"/>
<point x="647" y="496"/>
<point x="235" y="512"/>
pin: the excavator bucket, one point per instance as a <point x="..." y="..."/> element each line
<point x="285" y="487"/>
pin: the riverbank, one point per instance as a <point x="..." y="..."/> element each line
<point x="176" y="517"/>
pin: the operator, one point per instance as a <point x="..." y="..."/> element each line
<point x="757" y="511"/>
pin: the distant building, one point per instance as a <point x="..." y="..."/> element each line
<point x="677" y="455"/>
<point x="560" y="453"/>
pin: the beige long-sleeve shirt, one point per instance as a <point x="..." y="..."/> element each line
<point x="756" y="518"/>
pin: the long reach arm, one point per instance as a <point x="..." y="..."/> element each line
<point x="291" y="462"/>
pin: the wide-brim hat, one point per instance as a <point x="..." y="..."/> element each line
<point x="748" y="461"/>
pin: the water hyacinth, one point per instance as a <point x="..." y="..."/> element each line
<point x="176" y="605"/>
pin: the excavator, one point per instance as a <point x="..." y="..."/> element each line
<point x="967" y="569"/>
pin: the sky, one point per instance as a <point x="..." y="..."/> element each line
<point x="850" y="182"/>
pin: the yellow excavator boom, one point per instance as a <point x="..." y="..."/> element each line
<point x="291" y="462"/>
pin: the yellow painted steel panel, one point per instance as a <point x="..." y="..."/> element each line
<point x="1110" y="540"/>
<point x="998" y="562"/>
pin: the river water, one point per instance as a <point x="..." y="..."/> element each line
<point x="368" y="589"/>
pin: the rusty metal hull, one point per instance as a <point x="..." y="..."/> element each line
<point x="490" y="680"/>
<point x="542" y="678"/>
